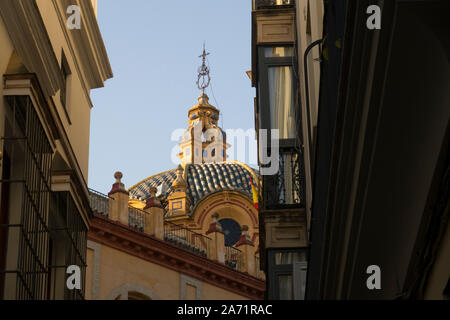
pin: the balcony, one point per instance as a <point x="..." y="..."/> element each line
<point x="272" y="4"/>
<point x="149" y="223"/>
<point x="233" y="258"/>
<point x="186" y="239"/>
<point x="285" y="189"/>
<point x="99" y="202"/>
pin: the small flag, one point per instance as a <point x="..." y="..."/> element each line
<point x="255" y="194"/>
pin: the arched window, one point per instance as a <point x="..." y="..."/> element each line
<point x="133" y="295"/>
<point x="232" y="231"/>
<point x="132" y="292"/>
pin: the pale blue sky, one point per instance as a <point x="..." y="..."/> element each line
<point x="153" y="47"/>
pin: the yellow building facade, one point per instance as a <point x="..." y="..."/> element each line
<point x="47" y="72"/>
<point x="187" y="233"/>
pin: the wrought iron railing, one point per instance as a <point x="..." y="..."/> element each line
<point x="136" y="219"/>
<point x="99" y="202"/>
<point x="186" y="238"/>
<point x="68" y="243"/>
<point x="286" y="187"/>
<point x="233" y="258"/>
<point x="268" y="4"/>
<point x="26" y="181"/>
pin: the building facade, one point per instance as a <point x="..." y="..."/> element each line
<point x="47" y="72"/>
<point x="373" y="142"/>
<point x="188" y="233"/>
<point x="285" y="71"/>
<point x="381" y="184"/>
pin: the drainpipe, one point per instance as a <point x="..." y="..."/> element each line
<point x="308" y="111"/>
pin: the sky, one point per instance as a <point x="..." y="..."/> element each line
<point x="153" y="47"/>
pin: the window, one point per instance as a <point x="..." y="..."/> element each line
<point x="68" y="235"/>
<point x="277" y="91"/>
<point x="289" y="257"/>
<point x="271" y="4"/>
<point x="287" y="274"/>
<point x="64" y="93"/>
<point x="24" y="205"/>
<point x="132" y="295"/>
<point x="281" y="101"/>
<point x="278" y="108"/>
<point x="232" y="231"/>
<point x="285" y="286"/>
<point x="273" y="52"/>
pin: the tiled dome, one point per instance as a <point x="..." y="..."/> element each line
<point x="202" y="180"/>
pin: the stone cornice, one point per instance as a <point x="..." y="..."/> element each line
<point x="71" y="180"/>
<point x="32" y="43"/>
<point x="87" y="43"/>
<point x="125" y="239"/>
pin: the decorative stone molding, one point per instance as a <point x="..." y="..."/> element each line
<point x="96" y="268"/>
<point x="276" y="27"/>
<point x="118" y="202"/>
<point x="87" y="44"/>
<point x="284" y="228"/>
<point x="29" y="36"/>
<point x="149" y="248"/>
<point x="153" y="200"/>
<point x="245" y="238"/>
<point x="118" y="186"/>
<point x="123" y="291"/>
<point x="217" y="247"/>
<point x="215" y="226"/>
<point x="186" y="280"/>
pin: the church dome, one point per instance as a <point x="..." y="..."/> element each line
<point x="202" y="180"/>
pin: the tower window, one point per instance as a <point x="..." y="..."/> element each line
<point x="213" y="152"/>
<point x="232" y="231"/>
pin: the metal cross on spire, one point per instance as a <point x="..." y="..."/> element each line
<point x="203" y="79"/>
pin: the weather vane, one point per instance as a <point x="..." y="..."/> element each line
<point x="203" y="72"/>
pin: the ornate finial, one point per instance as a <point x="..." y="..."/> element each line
<point x="118" y="176"/>
<point x="179" y="182"/>
<point x="118" y="186"/>
<point x="203" y="72"/>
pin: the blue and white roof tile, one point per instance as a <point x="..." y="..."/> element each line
<point x="202" y="180"/>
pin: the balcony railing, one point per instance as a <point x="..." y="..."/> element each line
<point x="136" y="219"/>
<point x="286" y="188"/>
<point x="270" y="4"/>
<point x="233" y="258"/>
<point x="173" y="233"/>
<point x="99" y="202"/>
<point x="186" y="238"/>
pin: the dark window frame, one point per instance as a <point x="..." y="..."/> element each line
<point x="275" y="270"/>
<point x="263" y="100"/>
<point x="263" y="107"/>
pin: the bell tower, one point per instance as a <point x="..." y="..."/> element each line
<point x="203" y="141"/>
